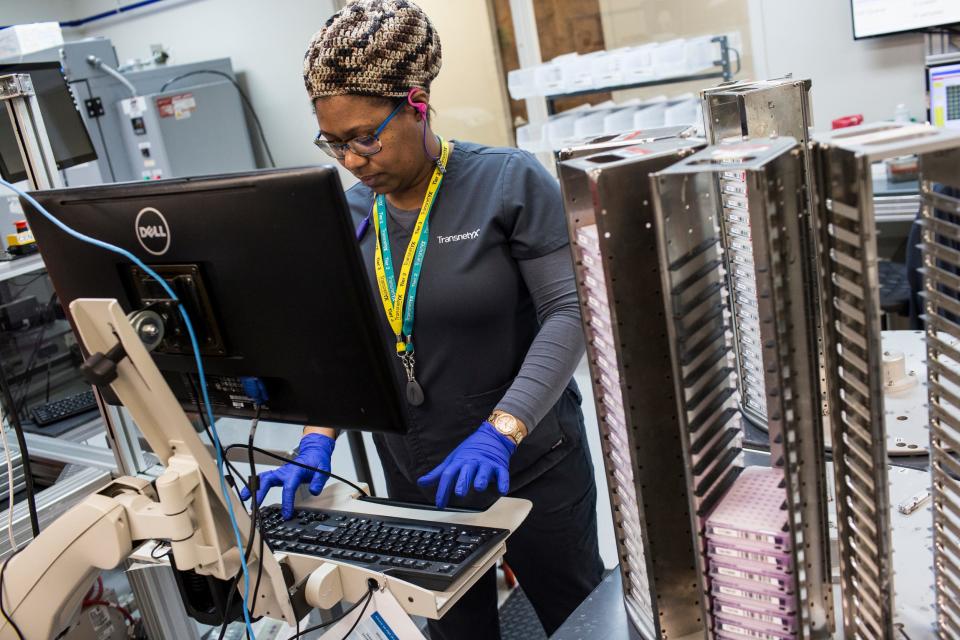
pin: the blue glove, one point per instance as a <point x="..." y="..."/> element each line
<point x="484" y="452"/>
<point x="316" y="450"/>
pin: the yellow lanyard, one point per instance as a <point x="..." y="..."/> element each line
<point x="394" y="296"/>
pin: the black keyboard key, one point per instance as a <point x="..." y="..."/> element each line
<point x="371" y="558"/>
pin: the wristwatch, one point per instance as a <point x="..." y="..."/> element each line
<point x="508" y="425"/>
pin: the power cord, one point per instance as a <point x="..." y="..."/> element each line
<point x="243" y="96"/>
<point x="297" y="463"/>
<point x="10" y="483"/>
<point x="254" y="512"/>
<point x="14" y="420"/>
<point x="3" y="609"/>
<point x="371" y="587"/>
<point x="199" y="362"/>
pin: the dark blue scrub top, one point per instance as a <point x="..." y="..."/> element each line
<point x="475" y="319"/>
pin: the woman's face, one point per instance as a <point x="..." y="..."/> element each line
<point x="400" y="159"/>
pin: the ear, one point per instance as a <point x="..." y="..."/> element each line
<point x="420" y="101"/>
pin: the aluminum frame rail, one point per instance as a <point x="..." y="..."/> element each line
<point x="940" y="216"/>
<point x="850" y="290"/>
<point x="610" y="216"/>
<point x="689" y="197"/>
<point x="738" y="111"/>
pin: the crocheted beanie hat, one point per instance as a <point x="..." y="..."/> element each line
<point x="377" y="48"/>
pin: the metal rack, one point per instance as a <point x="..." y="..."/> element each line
<point x="849" y="285"/>
<point x="610" y="215"/>
<point x="940" y="214"/>
<point x="725" y="73"/>
<point x="743" y="110"/>
<point x="768" y="177"/>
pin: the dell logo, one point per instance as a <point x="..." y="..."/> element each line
<point x="153" y="232"/>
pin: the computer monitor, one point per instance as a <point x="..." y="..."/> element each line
<point x="883" y="17"/>
<point x="269" y="270"/>
<point x="69" y="139"/>
<point x="943" y="88"/>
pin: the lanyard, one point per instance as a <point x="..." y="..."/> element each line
<point x="398" y="295"/>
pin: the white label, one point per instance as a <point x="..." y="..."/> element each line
<point x="382" y="619"/>
<point x="13" y="202"/>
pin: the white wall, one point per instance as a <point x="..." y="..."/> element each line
<point x="814" y="39"/>
<point x="265" y="42"/>
<point x="22" y="11"/>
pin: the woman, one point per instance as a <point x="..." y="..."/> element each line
<point x="473" y="240"/>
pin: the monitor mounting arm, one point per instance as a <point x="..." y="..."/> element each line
<point x="45" y="583"/>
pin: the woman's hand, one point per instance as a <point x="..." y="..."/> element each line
<point x="482" y="454"/>
<point x="315" y="451"/>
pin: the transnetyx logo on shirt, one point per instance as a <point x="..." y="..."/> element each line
<point x="470" y="235"/>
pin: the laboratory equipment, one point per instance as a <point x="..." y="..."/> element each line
<point x="741" y="111"/>
<point x="849" y="285"/>
<point x="69" y="141"/>
<point x="759" y="182"/>
<point x="609" y="205"/>
<point x="943" y="90"/>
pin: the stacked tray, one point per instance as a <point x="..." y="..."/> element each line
<point x="750" y="560"/>
<point x="743" y="291"/>
<point x="599" y="329"/>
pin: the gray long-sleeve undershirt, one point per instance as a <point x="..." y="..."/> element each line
<point x="555" y="352"/>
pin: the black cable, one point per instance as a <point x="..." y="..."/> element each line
<point x="243" y="96"/>
<point x="251" y="483"/>
<point x="24" y="390"/>
<point x="23" y="287"/>
<point x="297" y="463"/>
<point x="371" y="587"/>
<point x="362" y="611"/>
<point x="13" y="418"/>
<point x="3" y="609"/>
<point x="153" y="552"/>
<point x="28" y="371"/>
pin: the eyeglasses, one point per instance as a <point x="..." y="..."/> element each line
<point x="367" y="145"/>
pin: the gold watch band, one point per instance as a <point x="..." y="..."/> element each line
<point x="509" y="425"/>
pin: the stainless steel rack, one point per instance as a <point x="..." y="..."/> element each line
<point x="767" y="175"/>
<point x="610" y="214"/>
<point x="849" y="285"/>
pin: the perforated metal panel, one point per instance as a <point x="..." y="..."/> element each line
<point x="610" y="214"/>
<point x="940" y="188"/>
<point x="849" y="284"/>
<point x="690" y="205"/>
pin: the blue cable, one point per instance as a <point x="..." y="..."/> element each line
<point x="203" y="380"/>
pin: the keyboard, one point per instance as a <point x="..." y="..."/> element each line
<point x="431" y="555"/>
<point x="57" y="410"/>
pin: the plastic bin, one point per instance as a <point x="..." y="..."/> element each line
<point x="681" y="111"/>
<point x="548" y="79"/>
<point x="620" y="120"/>
<point x="700" y="54"/>
<point x="670" y="59"/>
<point x="650" y="114"/>
<point x="608" y="68"/>
<point x="578" y="73"/>
<point x="530" y="138"/>
<point x="637" y="64"/>
<point x="522" y="83"/>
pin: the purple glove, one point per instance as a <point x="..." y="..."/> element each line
<point x="316" y="450"/>
<point x="484" y="452"/>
